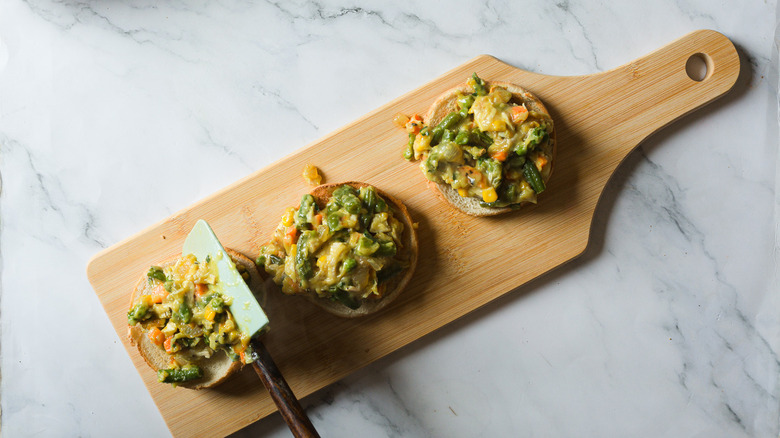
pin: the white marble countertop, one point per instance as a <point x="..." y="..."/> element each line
<point x="667" y="325"/>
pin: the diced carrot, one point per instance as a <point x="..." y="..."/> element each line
<point x="541" y="161"/>
<point x="289" y="236"/>
<point x="415" y="124"/>
<point x="156" y="336"/>
<point x="209" y="313"/>
<point x="318" y="219"/>
<point x="159" y="293"/>
<point x="243" y="356"/>
<point x="201" y="289"/>
<point x="519" y="113"/>
<point x="167" y="344"/>
<point x="500" y="155"/>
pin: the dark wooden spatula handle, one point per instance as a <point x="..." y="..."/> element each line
<point x="282" y="395"/>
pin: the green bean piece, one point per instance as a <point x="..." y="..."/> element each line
<point x="305" y="270"/>
<point x="484" y="138"/>
<point x="365" y="221"/>
<point x="479" y="85"/>
<point x="462" y="138"/>
<point x="450" y="120"/>
<point x="465" y="102"/>
<point x="305" y="211"/>
<point x="217" y="302"/>
<point x="351" y="203"/>
<point x="334" y="221"/>
<point x="349" y="265"/>
<point x="180" y="375"/>
<point x="449" y="135"/>
<point x="480" y="138"/>
<point x="369" y="199"/>
<point x="275" y="260"/>
<point x="534" y="178"/>
<point x="156" y="272"/>
<point x="366" y="246"/>
<point x="432" y="163"/>
<point x="302" y="262"/>
<point x="137" y="313"/>
<point x="381" y="205"/>
<point x="183" y="313"/>
<point x="344" y="190"/>
<point x="409" y="150"/>
<point x="516" y="161"/>
<point x="437" y="134"/>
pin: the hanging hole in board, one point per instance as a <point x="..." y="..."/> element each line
<point x="699" y="67"/>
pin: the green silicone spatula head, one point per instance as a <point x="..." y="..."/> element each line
<point x="203" y="244"/>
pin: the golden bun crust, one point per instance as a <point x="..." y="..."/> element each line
<point x="216" y="369"/>
<point x="446" y="103"/>
<point x="394" y="286"/>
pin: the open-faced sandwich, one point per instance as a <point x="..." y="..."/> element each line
<point x="181" y="323"/>
<point x="348" y="247"/>
<point x="485" y="147"/>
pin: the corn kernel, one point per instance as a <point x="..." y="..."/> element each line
<point x="463" y="193"/>
<point x="489" y="195"/>
<point x="209" y="314"/>
<point x="288" y="217"/>
<point x="312" y="175"/>
<point x="499" y="125"/>
<point x="422" y="143"/>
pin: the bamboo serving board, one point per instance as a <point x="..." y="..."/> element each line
<point x="599" y="119"/>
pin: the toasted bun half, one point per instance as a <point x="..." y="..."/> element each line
<point x="446" y="103"/>
<point x="395" y="285"/>
<point x="219" y="366"/>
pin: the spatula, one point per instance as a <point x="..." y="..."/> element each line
<point x="251" y="321"/>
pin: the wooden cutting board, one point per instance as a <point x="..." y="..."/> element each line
<point x="599" y="119"/>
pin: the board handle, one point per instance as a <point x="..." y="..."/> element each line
<point x="660" y="87"/>
<point x="288" y="405"/>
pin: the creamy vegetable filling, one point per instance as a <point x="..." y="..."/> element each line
<point x="183" y="310"/>
<point x="345" y="252"/>
<point x="493" y="148"/>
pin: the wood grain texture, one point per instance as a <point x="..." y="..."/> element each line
<point x="599" y="119"/>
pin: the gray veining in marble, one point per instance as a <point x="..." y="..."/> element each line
<point x="666" y="326"/>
